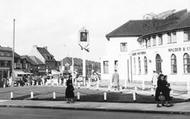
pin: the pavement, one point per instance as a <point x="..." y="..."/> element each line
<point x="178" y="108"/>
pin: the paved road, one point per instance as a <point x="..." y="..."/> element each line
<point x="36" y="113"/>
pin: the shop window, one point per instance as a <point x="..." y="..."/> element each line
<point x="187" y="35"/>
<point x="123" y="47"/>
<point x="139" y="61"/>
<point x="186" y="63"/>
<point x="160" y="40"/>
<point x="106" y="67"/>
<point x="173" y="64"/>
<point x="145" y="65"/>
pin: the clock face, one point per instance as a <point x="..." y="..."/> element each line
<point x="83" y="36"/>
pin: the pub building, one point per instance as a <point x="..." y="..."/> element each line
<point x="139" y="47"/>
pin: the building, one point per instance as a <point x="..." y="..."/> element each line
<point x="78" y="65"/>
<point x="43" y="55"/>
<point x="5" y="64"/>
<point x="139" y="47"/>
<point x="33" y="65"/>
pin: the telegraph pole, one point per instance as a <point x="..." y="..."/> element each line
<point x="13" y="51"/>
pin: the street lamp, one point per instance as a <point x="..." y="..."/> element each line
<point x="13" y="51"/>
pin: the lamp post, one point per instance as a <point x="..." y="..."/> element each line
<point x="13" y="51"/>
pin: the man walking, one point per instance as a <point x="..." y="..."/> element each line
<point x="115" y="80"/>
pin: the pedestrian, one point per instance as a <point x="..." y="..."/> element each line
<point x="69" y="93"/>
<point x="115" y="80"/>
<point x="154" y="79"/>
<point x="159" y="90"/>
<point x="166" y="92"/>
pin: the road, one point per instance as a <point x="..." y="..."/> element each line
<point x="36" y="113"/>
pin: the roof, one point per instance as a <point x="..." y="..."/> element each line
<point x="132" y="28"/>
<point x="45" y="53"/>
<point x="16" y="55"/>
<point x="35" y="60"/>
<point x="28" y="59"/>
<point x="138" y="28"/>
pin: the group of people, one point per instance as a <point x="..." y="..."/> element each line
<point x="162" y="90"/>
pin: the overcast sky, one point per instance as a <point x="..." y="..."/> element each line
<point x="56" y="23"/>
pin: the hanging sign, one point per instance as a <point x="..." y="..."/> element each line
<point x="84" y="39"/>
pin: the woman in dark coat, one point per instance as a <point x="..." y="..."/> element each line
<point x="162" y="88"/>
<point x="159" y="89"/>
<point x="69" y="91"/>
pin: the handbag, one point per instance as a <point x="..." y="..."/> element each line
<point x="161" y="97"/>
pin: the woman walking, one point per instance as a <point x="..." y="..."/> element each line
<point x="69" y="90"/>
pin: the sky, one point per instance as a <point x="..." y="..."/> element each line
<point x="56" y="23"/>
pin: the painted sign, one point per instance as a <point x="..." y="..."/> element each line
<point x="179" y="49"/>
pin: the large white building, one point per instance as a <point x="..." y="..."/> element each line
<point x="139" y="47"/>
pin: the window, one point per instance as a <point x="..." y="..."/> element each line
<point x="154" y="41"/>
<point x="148" y="42"/>
<point x="186" y="63"/>
<point x="169" y="38"/>
<point x="139" y="60"/>
<point x="116" y="64"/>
<point x="160" y="40"/>
<point x="105" y="67"/>
<point x="145" y="65"/>
<point x="187" y="35"/>
<point x="123" y="47"/>
<point x="134" y="62"/>
<point x="174" y="39"/>
<point x="173" y="64"/>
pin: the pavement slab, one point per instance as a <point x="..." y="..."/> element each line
<point x="178" y="108"/>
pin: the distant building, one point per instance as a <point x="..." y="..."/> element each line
<point x="5" y="64"/>
<point x="138" y="47"/>
<point x="43" y="55"/>
<point x="33" y="65"/>
<point x="78" y="65"/>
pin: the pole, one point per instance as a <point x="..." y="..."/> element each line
<point x="13" y="50"/>
<point x="84" y="70"/>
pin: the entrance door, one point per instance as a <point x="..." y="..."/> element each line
<point x="158" y="63"/>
